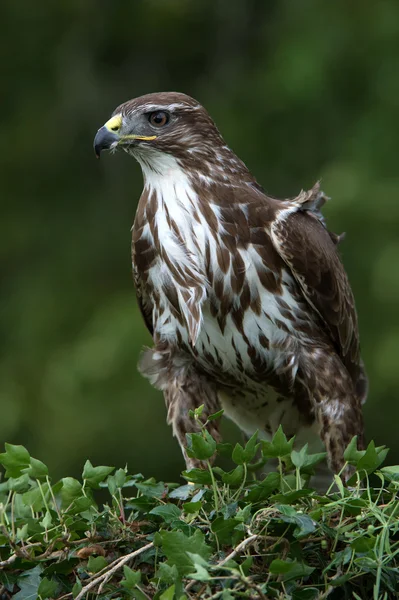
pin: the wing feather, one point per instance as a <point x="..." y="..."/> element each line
<point x="310" y="251"/>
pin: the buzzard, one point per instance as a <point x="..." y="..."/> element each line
<point x="245" y="295"/>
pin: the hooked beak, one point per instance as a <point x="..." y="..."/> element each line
<point x="104" y="140"/>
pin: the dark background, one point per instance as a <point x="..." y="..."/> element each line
<point x="300" y="90"/>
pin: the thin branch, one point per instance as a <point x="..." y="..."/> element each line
<point x="105" y="576"/>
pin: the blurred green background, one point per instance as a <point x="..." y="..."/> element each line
<point x="300" y="90"/>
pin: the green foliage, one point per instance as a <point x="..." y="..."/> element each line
<point x="226" y="535"/>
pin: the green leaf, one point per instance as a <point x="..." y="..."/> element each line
<point x="235" y="477"/>
<point x="304" y="524"/>
<point x="223" y="529"/>
<point x="238" y="454"/>
<point x="94" y="475"/>
<point x="96" y="563"/>
<point x="201" y="572"/>
<point x="166" y="573"/>
<point x="120" y="478"/>
<point x="182" y="492"/>
<point x="192" y="507"/>
<point x="19" y="484"/>
<point x="290" y="570"/>
<point x="225" y="450"/>
<point x="251" y="448"/>
<point x="352" y="454"/>
<point x="22" y="532"/>
<point x="77" y="588"/>
<point x="264" y="489"/>
<point x="198" y="476"/>
<point x="176" y="544"/>
<point x="168" y="512"/>
<point x="169" y="594"/>
<point x="47" y="588"/>
<point x="71" y="489"/>
<point x="36" y="496"/>
<point x="151" y="488"/>
<point x="29" y="582"/>
<point x="372" y="458"/>
<point x="391" y="473"/>
<point x="216" y="415"/>
<point x="279" y="446"/>
<point x="15" y="459"/>
<point x="47" y="520"/>
<point x="303" y="460"/>
<point x="132" y="578"/>
<point x="200" y="445"/>
<point x="37" y="469"/>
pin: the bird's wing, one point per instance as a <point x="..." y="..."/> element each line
<point x="309" y="250"/>
<point x="143" y="300"/>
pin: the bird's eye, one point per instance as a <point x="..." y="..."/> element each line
<point x="158" y="118"/>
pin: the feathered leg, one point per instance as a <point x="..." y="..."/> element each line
<point x="336" y="406"/>
<point x="184" y="389"/>
<point x="188" y="392"/>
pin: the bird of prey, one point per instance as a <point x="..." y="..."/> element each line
<point x="245" y="296"/>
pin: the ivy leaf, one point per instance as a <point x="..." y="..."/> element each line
<point x="234" y="477"/>
<point x="192" y="508"/>
<point x="77" y="588"/>
<point x="176" y="544"/>
<point x="264" y="489"/>
<point x="36" y="497"/>
<point x="166" y="573"/>
<point x="303" y="460"/>
<point x="238" y="454"/>
<point x="373" y="457"/>
<point x="132" y="578"/>
<point x="71" y="489"/>
<point x="216" y="415"/>
<point x="201" y="572"/>
<point x="169" y="594"/>
<point x="200" y="445"/>
<point x="47" y="588"/>
<point x="29" y="582"/>
<point x="37" y="469"/>
<point x="352" y="454"/>
<point x="94" y="475"/>
<point x="251" y="448"/>
<point x="198" y="476"/>
<point x="151" y="488"/>
<point x="290" y="569"/>
<point x="96" y="563"/>
<point x="225" y="449"/>
<point x="305" y="525"/>
<point x="278" y="447"/>
<point x="15" y="459"/>
<point x="168" y="512"/>
<point x="183" y="492"/>
<point x="223" y="529"/>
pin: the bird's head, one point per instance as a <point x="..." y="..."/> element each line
<point x="160" y="124"/>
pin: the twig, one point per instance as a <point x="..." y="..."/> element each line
<point x="238" y="548"/>
<point x="119" y="563"/>
<point x="236" y="551"/>
<point x="9" y="561"/>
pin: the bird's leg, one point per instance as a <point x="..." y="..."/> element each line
<point x="336" y="407"/>
<point x="187" y="392"/>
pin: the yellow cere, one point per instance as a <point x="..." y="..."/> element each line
<point x="114" y="123"/>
